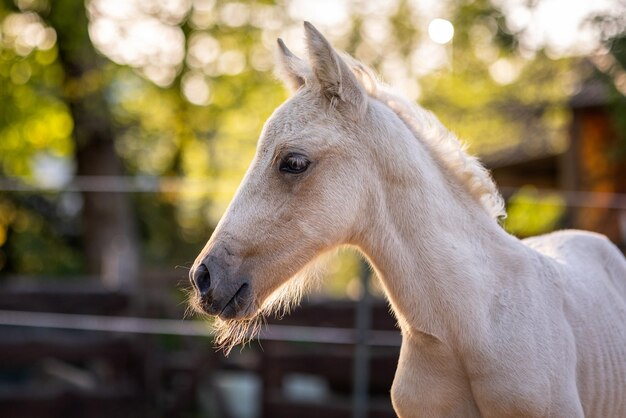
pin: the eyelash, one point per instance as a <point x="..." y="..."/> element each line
<point x="294" y="163"/>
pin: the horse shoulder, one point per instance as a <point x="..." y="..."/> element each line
<point x="430" y="380"/>
<point x="525" y="364"/>
<point x="595" y="305"/>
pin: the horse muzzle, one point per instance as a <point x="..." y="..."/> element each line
<point x="219" y="295"/>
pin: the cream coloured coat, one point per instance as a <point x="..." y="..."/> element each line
<point x="492" y="326"/>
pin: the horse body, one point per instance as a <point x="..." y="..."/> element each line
<point x="594" y="304"/>
<point x="492" y="326"/>
<point x="502" y="327"/>
<point x="553" y="345"/>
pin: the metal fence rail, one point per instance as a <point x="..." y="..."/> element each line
<point x="174" y="184"/>
<point x="136" y="325"/>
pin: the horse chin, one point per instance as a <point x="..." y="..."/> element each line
<point x="245" y="311"/>
<point x="240" y="328"/>
<point x="236" y="310"/>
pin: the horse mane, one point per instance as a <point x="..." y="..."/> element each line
<point x="443" y="144"/>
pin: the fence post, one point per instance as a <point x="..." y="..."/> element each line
<point x="360" y="372"/>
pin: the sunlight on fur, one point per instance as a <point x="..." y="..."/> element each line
<point x="491" y="325"/>
<point x="445" y="146"/>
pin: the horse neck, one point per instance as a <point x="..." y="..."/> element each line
<point x="437" y="252"/>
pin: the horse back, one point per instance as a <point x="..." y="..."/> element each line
<point x="585" y="256"/>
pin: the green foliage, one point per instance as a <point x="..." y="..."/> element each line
<point x="495" y="96"/>
<point x="34" y="120"/>
<point x="31" y="243"/>
<point x="530" y="213"/>
<point x="199" y="117"/>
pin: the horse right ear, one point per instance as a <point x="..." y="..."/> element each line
<point x="289" y="68"/>
<point x="336" y="79"/>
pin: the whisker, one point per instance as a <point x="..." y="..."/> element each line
<point x="182" y="267"/>
<point x="189" y="312"/>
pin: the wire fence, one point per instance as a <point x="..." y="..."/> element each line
<point x="361" y="336"/>
<point x="193" y="328"/>
<point x="172" y="184"/>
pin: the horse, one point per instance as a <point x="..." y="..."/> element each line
<point x="491" y="325"/>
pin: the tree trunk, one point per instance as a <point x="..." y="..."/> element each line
<point x="109" y="230"/>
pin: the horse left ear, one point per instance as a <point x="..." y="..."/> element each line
<point x="291" y="69"/>
<point x="336" y="80"/>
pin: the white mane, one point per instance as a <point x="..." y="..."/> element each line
<point x="444" y="145"/>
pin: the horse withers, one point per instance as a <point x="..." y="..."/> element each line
<point x="492" y="326"/>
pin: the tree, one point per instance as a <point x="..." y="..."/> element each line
<point x="109" y="238"/>
<point x="179" y="90"/>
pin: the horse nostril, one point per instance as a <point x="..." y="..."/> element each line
<point x="202" y="279"/>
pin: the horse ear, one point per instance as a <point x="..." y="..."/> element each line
<point x="289" y="68"/>
<point x="336" y="80"/>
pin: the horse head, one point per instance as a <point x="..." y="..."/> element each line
<point x="302" y="195"/>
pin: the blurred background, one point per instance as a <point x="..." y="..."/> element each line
<point x="126" y="126"/>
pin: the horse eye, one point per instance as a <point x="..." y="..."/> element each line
<point x="294" y="164"/>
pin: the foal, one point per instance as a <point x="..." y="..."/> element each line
<point x="492" y="326"/>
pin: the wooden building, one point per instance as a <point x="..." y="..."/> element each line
<point x="590" y="174"/>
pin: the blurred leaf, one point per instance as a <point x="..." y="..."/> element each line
<point x="530" y="213"/>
